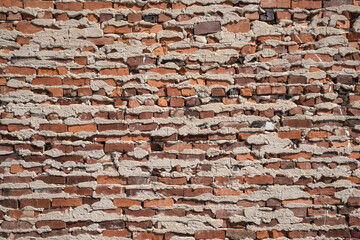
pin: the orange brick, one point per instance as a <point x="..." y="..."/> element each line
<point x="317" y="134"/>
<point x="162" y="102"/>
<point x="70" y="202"/>
<point x="16" y="168"/>
<point x="111" y="180"/>
<point x="122" y="202"/>
<point x="239" y="27"/>
<point x="167" y="202"/>
<point x="55" y="92"/>
<point x="115" y="71"/>
<point x="162" y="70"/>
<point x="262" y="234"/>
<point x="116" y="233"/>
<point x="38" y="4"/>
<point x="246" y="92"/>
<point x="97" y="5"/>
<point x="295" y="134"/>
<point x="275" y="4"/>
<point x="159" y="51"/>
<point x="80" y="128"/>
<point x="20" y="70"/>
<point x="227" y="192"/>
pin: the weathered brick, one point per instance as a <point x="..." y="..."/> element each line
<point x="210" y="234"/>
<point x="53" y="224"/>
<point x="36" y="203"/>
<point x="335" y="3"/>
<point x="275" y="4"/>
<point x="207" y="27"/>
<point x="69" y="6"/>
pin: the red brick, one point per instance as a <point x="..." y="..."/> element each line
<point x="126" y="202"/>
<point x="354" y="98"/>
<point x="335" y="3"/>
<point x="146" y="235"/>
<point x="167" y="202"/>
<point x="116" y="233"/>
<point x="51" y="179"/>
<point x="70" y="202"/>
<point x="120" y="147"/>
<point x="281" y="15"/>
<point x="173" y="181"/>
<point x="134" y="17"/>
<point x="47" y="81"/>
<point x="306" y="4"/>
<point x="115" y="71"/>
<point x="275" y="4"/>
<point x="53" y="127"/>
<point x="206" y="27"/>
<point x="38" y="4"/>
<point x="301" y="234"/>
<point x="295" y="134"/>
<point x="69" y="6"/>
<point x="11" y="3"/>
<point x="354" y="201"/>
<point x="353" y="221"/>
<point x="27" y="27"/>
<point x="109" y="190"/>
<point x="16" y="179"/>
<point x="278" y="90"/>
<point x="336" y="233"/>
<point x="82" y="128"/>
<point x="36" y="203"/>
<point x="210" y="234"/>
<point x="101" y="41"/>
<point x="297" y="123"/>
<point x="20" y="70"/>
<point x="78" y="191"/>
<point x="177" y="102"/>
<point x="218" y="92"/>
<point x="238" y="27"/>
<point x="97" y="5"/>
<point x="262" y="90"/>
<point x="15" y="225"/>
<point x="53" y="224"/>
<point x="262" y="180"/>
<point x="140" y="213"/>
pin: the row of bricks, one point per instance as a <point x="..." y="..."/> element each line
<point x="53" y="79"/>
<point x="124" y="115"/>
<point x="95" y="5"/>
<point x="207" y="181"/>
<point x="246" y="158"/>
<point x="325" y="197"/>
<point x="269" y="16"/>
<point x="231" y="233"/>
<point x="241" y="134"/>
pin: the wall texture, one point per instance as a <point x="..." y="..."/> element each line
<point x="180" y="119"/>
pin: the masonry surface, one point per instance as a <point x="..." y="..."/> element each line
<point x="179" y="119"/>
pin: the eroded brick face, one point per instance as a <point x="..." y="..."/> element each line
<point x="179" y="119"/>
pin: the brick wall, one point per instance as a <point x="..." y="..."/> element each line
<point x="182" y="119"/>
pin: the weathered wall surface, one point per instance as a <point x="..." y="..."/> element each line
<point x="179" y="119"/>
